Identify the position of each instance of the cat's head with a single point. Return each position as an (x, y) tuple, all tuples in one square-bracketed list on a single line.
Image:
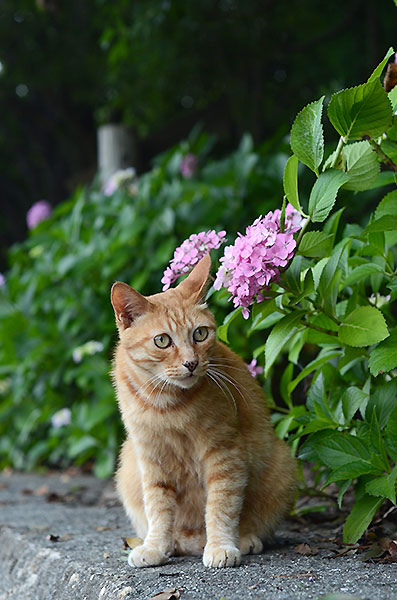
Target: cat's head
[(167, 336)]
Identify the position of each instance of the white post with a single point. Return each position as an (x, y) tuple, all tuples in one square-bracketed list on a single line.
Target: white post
[(115, 150)]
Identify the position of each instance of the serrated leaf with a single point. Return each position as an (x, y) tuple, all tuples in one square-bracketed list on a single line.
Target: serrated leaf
[(364, 326), (279, 336), (384, 486), (361, 111), (362, 272), (323, 194), (362, 166), (307, 140), (360, 517), (393, 98), (384, 401), (290, 182), (383, 358), (377, 72), (349, 471), (387, 206), (352, 399), (339, 449), (316, 244), (385, 223)]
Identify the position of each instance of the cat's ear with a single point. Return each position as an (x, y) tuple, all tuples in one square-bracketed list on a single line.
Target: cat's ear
[(128, 304), (195, 284)]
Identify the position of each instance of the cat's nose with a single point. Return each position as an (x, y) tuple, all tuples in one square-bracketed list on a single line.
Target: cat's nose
[(190, 365)]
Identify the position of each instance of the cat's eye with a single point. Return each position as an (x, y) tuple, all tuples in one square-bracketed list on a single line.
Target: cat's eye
[(200, 334), (162, 340)]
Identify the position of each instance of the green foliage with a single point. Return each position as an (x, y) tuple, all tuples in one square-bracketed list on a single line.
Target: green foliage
[(56, 297), (328, 332)]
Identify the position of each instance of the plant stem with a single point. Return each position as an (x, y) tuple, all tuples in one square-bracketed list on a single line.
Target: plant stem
[(338, 152), (383, 157)]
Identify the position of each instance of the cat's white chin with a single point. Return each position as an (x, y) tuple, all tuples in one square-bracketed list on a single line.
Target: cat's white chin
[(186, 382)]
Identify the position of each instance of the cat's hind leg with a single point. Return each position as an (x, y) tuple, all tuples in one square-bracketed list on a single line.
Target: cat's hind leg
[(129, 487)]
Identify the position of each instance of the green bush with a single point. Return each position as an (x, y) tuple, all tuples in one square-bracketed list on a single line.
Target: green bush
[(330, 324), (56, 296)]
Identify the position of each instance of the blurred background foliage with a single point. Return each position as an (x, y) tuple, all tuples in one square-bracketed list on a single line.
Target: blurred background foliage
[(160, 66), (242, 70)]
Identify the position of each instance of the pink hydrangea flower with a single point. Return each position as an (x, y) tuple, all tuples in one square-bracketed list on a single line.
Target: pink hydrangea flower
[(2, 280), (254, 368), (253, 262), (188, 166), (190, 252), (38, 212)]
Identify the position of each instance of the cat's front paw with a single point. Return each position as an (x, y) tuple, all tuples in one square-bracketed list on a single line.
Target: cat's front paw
[(250, 544), (221, 556), (145, 556)]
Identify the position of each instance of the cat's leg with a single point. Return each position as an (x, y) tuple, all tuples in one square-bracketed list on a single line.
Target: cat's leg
[(268, 498), (152, 514), (129, 487), (226, 480)]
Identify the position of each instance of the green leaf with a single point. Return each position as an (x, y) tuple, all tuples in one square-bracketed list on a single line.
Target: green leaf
[(313, 365), (352, 399), (385, 223), (393, 98), (384, 401), (388, 204), (362, 166), (384, 486), (290, 182), (391, 435), (307, 140), (349, 471), (323, 194), (360, 517), (316, 244), (362, 272), (223, 329), (364, 326), (279, 336), (361, 111), (377, 72), (383, 358), (337, 450)]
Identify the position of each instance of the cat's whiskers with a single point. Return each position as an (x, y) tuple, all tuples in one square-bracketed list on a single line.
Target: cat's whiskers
[(219, 364), (146, 385), (213, 376), (231, 380)]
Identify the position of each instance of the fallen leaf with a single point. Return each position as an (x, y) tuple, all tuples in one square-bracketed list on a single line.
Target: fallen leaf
[(26, 491), (393, 549), (170, 594), (305, 549), (52, 538), (106, 555), (66, 537), (131, 542), (104, 528)]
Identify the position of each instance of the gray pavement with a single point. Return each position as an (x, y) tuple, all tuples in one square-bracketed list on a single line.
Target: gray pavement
[(61, 537)]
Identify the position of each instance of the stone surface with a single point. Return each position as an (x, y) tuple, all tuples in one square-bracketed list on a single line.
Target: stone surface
[(61, 537)]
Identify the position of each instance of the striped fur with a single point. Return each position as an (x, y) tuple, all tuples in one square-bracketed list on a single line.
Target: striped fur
[(201, 470)]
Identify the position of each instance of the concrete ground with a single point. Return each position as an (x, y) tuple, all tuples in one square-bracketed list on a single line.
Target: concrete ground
[(61, 538)]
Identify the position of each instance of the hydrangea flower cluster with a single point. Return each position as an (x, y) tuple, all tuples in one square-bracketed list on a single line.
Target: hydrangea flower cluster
[(253, 262), (40, 211), (190, 252), (123, 178), (188, 166), (2, 280)]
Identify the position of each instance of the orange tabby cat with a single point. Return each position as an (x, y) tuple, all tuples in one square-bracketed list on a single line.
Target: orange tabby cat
[(201, 469)]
